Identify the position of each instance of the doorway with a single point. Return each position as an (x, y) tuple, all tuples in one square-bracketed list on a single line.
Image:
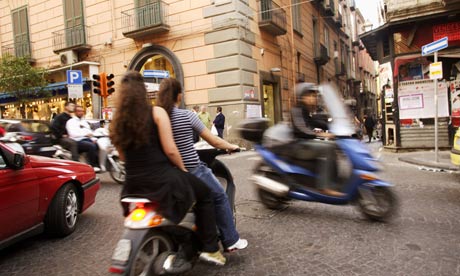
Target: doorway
[(269, 102)]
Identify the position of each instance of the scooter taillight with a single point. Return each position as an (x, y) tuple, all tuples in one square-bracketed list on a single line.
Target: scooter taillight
[(143, 216)]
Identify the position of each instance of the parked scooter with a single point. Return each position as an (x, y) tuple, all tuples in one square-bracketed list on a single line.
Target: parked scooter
[(280, 178), (151, 242)]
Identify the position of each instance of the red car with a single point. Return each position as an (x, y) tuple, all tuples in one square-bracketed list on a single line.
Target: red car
[(40, 194)]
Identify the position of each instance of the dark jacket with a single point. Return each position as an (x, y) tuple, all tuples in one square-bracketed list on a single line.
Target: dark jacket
[(58, 125), (303, 123), (369, 122), (219, 121)]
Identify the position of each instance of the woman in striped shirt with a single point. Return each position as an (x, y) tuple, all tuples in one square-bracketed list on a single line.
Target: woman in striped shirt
[(184, 123)]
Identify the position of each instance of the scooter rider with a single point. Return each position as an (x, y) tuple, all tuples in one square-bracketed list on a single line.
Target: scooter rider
[(308, 128), (58, 127), (184, 123)]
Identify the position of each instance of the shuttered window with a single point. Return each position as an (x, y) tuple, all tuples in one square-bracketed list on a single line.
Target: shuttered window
[(21, 32)]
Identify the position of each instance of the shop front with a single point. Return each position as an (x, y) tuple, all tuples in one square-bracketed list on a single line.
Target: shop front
[(46, 105)]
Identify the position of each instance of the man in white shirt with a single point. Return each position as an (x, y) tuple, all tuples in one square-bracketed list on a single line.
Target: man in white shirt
[(80, 131)]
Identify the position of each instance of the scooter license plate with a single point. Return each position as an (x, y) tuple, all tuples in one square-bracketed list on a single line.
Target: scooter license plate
[(122, 251)]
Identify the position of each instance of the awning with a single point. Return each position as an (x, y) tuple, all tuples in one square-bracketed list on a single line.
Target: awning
[(57, 88)]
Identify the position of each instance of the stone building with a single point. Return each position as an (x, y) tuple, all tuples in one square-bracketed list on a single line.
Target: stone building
[(245, 56)]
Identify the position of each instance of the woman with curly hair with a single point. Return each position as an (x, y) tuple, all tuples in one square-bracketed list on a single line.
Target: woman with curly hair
[(154, 167)]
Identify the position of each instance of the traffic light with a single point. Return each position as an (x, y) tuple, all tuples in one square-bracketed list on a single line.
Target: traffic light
[(100, 82), (110, 84), (97, 84)]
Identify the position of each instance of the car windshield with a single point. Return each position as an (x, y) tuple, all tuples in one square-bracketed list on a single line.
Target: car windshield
[(35, 127)]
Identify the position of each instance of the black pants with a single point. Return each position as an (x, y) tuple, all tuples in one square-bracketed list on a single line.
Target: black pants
[(205, 216), (88, 146), (71, 145), (324, 153), (220, 132), (369, 131)]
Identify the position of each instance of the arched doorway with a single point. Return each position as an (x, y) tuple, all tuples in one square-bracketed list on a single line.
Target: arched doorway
[(155, 63)]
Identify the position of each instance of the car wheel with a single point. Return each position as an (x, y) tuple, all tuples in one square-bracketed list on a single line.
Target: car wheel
[(62, 216)]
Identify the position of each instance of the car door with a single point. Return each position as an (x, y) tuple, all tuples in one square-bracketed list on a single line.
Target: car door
[(19, 198)]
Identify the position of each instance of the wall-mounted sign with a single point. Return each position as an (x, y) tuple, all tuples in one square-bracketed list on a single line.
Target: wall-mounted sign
[(451, 30)]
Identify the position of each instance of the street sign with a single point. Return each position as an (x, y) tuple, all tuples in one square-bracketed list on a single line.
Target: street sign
[(436, 70), (156, 74), (74, 77), (75, 91), (435, 46)]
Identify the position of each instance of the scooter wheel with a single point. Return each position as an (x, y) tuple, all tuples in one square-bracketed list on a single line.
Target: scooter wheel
[(153, 245), (120, 175), (270, 200), (383, 207)]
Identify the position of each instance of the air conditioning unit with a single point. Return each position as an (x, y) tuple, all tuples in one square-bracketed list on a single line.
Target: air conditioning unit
[(68, 57)]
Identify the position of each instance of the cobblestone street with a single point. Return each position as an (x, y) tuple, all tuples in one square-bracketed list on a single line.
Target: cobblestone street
[(303, 239)]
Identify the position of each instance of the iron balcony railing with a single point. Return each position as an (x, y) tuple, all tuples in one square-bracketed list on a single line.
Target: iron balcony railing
[(73, 38), (272, 17), (18, 49), (148, 19), (321, 54)]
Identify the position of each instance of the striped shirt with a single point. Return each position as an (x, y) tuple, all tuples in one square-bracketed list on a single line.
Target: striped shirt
[(183, 123)]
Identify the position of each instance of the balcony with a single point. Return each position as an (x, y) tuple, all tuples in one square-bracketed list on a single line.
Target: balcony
[(18, 49), (321, 55), (338, 20), (329, 8), (340, 69), (150, 19), (73, 38), (272, 18), (300, 77)]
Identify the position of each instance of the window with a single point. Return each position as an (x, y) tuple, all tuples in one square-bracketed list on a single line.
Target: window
[(21, 32), (296, 19), (74, 23), (326, 38), (148, 13)]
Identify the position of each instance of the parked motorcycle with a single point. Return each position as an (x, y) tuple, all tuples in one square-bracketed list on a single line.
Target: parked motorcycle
[(280, 178), (151, 242)]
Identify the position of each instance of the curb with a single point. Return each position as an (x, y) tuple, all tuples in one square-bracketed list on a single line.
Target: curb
[(429, 164)]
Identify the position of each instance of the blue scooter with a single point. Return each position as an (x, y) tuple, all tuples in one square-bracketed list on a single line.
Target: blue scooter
[(279, 178)]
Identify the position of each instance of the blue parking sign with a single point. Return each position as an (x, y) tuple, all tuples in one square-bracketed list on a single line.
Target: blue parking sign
[(74, 77)]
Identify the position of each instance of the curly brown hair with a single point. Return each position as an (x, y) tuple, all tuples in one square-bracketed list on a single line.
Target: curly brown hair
[(168, 94), (133, 111)]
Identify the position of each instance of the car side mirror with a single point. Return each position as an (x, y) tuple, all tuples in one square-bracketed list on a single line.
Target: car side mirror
[(18, 160)]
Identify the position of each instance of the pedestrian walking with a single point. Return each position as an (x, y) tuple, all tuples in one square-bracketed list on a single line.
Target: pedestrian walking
[(219, 122), (204, 117), (369, 124)]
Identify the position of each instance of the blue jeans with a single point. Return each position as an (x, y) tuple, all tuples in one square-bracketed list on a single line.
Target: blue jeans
[(224, 215)]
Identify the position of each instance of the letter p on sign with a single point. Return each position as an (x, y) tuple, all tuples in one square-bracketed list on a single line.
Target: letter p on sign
[(74, 77)]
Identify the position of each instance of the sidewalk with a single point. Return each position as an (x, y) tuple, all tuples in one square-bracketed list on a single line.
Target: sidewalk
[(427, 159)]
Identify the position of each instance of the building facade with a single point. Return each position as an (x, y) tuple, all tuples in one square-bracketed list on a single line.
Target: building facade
[(243, 55), (408, 104)]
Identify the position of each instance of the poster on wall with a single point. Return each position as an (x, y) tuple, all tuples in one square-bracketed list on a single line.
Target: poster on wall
[(455, 97), (416, 100), (253, 111)]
